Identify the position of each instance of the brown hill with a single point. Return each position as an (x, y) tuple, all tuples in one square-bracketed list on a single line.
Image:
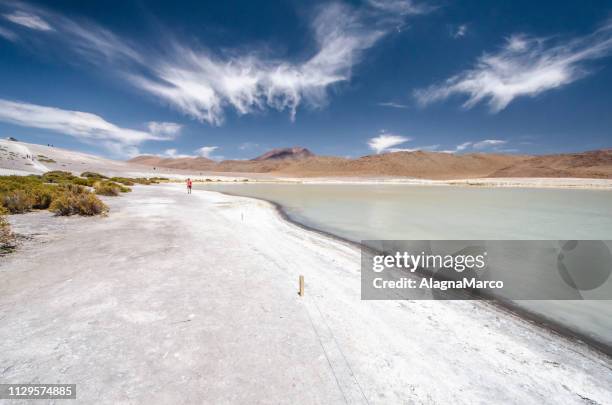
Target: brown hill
[(591, 164), (186, 163), (426, 165), (418, 164), (294, 153)]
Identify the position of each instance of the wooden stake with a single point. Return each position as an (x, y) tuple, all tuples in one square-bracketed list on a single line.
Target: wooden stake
[(301, 286)]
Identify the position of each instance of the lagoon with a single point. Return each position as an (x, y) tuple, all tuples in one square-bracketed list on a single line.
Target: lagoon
[(396, 212)]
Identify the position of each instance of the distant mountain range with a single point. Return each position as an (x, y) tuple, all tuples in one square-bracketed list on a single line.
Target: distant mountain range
[(300, 162)]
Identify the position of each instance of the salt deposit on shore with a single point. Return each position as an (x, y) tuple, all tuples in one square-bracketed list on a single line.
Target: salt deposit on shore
[(193, 298)]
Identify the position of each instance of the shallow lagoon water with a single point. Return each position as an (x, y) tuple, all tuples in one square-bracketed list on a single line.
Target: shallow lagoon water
[(393, 211)]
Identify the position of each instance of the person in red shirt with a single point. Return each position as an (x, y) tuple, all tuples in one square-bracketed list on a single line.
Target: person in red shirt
[(188, 186)]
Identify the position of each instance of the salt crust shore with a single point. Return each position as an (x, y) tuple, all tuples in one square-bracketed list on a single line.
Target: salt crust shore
[(177, 298)]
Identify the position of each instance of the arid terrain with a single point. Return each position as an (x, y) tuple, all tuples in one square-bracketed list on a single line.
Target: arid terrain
[(171, 291), (299, 162)]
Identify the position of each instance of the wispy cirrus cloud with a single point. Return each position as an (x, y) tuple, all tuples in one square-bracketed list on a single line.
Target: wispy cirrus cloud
[(204, 85), (488, 143), (491, 145), (84, 126), (164, 128), (392, 104), (401, 7), (28, 20), (249, 146), (463, 146), (524, 66), (204, 151), (208, 152), (8, 34)]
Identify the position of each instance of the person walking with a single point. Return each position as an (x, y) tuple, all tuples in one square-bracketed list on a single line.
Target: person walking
[(189, 184)]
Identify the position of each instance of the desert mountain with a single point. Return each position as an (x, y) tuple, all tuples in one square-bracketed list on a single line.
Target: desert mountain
[(295, 153), (299, 162), (187, 163), (591, 164)]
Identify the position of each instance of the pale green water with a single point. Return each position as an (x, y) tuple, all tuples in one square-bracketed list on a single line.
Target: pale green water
[(370, 212)]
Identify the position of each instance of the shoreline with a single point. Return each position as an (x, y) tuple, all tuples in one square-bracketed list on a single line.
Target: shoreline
[(508, 306), (178, 284), (491, 182)]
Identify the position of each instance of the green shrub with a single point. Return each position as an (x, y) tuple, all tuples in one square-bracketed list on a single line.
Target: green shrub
[(17, 201), (123, 180), (107, 188), (58, 176), (123, 188), (93, 175), (67, 196), (76, 200), (22, 193), (7, 239)]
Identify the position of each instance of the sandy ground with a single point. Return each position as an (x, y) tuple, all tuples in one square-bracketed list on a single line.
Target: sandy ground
[(193, 299)]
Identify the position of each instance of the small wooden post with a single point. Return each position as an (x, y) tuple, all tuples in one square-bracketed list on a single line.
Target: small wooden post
[(301, 286)]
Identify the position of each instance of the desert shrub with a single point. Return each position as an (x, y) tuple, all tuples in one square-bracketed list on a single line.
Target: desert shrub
[(19, 194), (42, 196), (123, 180), (58, 176), (61, 177), (22, 193), (17, 201), (46, 160), (123, 188), (93, 175), (75, 200), (7, 239), (107, 188), (88, 182)]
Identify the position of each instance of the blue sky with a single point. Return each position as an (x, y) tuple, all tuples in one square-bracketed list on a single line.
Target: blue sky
[(233, 79)]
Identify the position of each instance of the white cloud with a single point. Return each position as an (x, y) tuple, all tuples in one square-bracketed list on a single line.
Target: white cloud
[(203, 84), (488, 143), (463, 146), (173, 153), (401, 7), (8, 34), (91, 42), (28, 20), (524, 66), (385, 141), (206, 151), (81, 125), (460, 31), (248, 145), (392, 104), (164, 128)]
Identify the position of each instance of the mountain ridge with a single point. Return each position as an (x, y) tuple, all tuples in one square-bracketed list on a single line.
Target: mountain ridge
[(300, 162)]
